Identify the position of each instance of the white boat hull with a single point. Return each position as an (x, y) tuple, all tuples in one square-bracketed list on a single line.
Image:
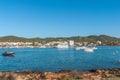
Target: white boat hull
[(63, 46), (88, 49)]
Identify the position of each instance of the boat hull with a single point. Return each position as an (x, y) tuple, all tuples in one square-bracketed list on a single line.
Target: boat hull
[(8, 54)]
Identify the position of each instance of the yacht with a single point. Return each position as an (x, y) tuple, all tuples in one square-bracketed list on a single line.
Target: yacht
[(87, 49), (80, 48), (62, 45)]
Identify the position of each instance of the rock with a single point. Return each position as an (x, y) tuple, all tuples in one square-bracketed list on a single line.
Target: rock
[(1, 74), (95, 78), (70, 75), (99, 71)]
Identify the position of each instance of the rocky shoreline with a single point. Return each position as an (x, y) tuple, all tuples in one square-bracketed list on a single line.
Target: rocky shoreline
[(100, 74)]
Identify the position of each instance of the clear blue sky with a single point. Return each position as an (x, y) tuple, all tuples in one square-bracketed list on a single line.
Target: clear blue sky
[(59, 18)]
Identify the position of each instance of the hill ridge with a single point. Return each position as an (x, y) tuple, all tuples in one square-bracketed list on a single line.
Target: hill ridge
[(91, 38)]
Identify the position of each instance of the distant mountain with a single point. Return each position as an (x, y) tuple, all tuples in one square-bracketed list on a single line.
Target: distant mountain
[(104, 38), (92, 38), (18, 39)]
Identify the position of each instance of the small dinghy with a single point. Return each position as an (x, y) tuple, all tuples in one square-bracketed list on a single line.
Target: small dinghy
[(8, 53)]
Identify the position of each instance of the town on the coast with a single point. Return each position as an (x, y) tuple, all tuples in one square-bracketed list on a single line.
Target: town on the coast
[(54, 44), (18, 42)]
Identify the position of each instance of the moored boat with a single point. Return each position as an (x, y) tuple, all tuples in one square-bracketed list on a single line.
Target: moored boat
[(87, 49), (95, 48), (8, 53), (62, 46), (80, 48)]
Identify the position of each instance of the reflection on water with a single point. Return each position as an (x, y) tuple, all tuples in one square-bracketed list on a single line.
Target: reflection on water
[(12, 56)]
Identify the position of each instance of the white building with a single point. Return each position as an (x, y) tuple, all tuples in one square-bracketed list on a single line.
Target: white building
[(99, 42), (71, 43)]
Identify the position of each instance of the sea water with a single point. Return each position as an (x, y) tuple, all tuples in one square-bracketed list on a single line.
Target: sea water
[(53, 59)]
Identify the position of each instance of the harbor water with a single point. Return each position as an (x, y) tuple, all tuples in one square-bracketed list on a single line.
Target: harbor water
[(54, 59)]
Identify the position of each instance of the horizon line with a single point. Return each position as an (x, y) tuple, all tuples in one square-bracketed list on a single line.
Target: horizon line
[(59, 36)]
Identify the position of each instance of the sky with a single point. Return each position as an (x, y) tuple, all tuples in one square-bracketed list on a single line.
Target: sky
[(59, 18)]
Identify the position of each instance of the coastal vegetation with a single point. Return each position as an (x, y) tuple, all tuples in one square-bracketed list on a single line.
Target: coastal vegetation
[(92, 38)]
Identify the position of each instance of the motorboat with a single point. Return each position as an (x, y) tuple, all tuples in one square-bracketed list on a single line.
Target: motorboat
[(8, 53), (87, 49), (95, 48), (62, 46), (80, 48), (42, 47)]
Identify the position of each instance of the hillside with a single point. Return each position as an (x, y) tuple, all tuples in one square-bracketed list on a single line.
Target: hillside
[(92, 38), (18, 39)]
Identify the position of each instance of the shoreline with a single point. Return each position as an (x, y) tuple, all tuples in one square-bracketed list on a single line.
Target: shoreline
[(99, 74)]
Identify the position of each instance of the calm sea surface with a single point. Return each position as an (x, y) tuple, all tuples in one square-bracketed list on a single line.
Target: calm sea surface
[(53, 59)]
